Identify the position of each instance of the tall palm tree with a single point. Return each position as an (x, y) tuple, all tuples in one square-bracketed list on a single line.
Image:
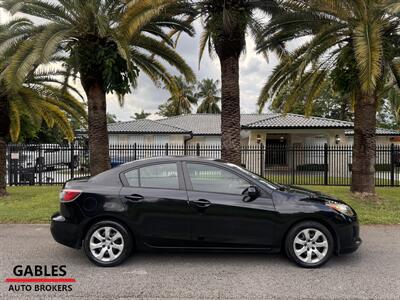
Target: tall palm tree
[(41, 97), (209, 93), (226, 23), (107, 42), (358, 38), (181, 100), (394, 104)]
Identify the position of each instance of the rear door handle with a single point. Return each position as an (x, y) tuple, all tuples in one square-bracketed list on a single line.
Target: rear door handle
[(202, 203), (134, 197)]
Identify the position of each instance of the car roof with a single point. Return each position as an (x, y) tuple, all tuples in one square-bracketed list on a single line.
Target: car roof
[(170, 158)]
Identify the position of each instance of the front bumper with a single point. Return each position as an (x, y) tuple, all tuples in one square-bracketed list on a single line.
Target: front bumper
[(353, 248), (65, 232), (349, 238)]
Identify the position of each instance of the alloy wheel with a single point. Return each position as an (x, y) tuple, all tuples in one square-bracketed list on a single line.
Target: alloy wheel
[(310, 245), (106, 244)]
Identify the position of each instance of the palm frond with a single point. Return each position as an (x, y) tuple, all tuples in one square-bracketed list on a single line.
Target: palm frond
[(368, 49)]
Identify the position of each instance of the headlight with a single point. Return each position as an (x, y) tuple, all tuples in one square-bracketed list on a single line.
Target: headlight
[(342, 208)]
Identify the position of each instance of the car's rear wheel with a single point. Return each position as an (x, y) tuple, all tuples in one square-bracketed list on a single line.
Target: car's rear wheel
[(309, 244), (108, 243)]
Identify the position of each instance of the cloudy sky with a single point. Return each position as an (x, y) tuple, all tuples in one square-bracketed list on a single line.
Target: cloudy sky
[(253, 74)]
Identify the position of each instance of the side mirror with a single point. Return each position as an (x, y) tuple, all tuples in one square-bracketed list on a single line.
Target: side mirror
[(251, 193)]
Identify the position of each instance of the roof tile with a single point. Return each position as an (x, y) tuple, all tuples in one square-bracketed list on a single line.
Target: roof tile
[(298, 121), (144, 126)]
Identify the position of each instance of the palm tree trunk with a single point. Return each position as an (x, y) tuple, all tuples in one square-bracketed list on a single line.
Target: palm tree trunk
[(98, 134), (4, 131), (363, 169), (230, 113)]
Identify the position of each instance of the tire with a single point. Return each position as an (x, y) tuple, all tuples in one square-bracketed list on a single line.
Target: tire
[(312, 252), (121, 247)]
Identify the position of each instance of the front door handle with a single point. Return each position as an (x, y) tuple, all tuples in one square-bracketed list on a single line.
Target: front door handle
[(202, 203), (134, 197)]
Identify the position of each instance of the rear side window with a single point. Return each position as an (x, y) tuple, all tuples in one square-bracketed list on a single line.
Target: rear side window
[(133, 177), (163, 176)]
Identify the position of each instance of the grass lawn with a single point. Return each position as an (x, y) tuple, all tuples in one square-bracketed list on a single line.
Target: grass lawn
[(383, 210), (29, 204), (37, 204), (319, 179)]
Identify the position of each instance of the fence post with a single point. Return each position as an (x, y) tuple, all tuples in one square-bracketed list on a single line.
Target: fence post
[(293, 165), (40, 163), (198, 149), (72, 164), (10, 166), (261, 160), (166, 149), (325, 164), (392, 164)]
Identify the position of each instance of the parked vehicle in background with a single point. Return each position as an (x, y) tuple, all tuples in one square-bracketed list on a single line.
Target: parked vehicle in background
[(199, 204), (46, 156)]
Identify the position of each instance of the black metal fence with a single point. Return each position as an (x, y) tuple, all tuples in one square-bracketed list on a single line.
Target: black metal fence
[(299, 165)]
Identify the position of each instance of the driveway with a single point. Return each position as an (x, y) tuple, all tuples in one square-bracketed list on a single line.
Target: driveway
[(371, 273)]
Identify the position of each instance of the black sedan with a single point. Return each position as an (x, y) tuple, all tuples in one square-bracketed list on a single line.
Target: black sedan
[(199, 204)]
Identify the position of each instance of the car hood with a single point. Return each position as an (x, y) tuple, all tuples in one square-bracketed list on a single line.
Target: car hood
[(300, 193)]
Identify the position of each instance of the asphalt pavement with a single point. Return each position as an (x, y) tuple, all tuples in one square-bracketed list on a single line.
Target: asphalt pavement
[(373, 272)]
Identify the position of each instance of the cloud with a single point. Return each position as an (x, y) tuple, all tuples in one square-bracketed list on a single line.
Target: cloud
[(4, 16)]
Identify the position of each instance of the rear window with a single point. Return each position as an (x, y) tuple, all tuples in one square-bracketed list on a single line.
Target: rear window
[(164, 176)]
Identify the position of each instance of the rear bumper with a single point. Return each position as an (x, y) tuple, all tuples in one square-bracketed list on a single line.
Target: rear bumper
[(65, 232)]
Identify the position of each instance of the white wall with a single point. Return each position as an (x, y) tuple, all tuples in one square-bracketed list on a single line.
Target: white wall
[(205, 140), (146, 139)]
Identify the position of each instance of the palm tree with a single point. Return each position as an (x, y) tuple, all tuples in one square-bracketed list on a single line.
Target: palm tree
[(394, 104), (140, 116), (107, 42), (41, 97), (209, 93), (181, 100), (111, 118), (356, 38), (226, 23), (332, 102)]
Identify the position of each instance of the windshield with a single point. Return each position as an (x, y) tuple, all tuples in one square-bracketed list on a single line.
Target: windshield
[(260, 179)]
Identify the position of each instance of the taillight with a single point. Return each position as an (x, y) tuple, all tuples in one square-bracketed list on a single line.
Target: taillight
[(69, 195)]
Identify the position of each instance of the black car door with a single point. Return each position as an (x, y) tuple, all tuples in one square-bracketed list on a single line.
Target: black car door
[(157, 204), (222, 218)]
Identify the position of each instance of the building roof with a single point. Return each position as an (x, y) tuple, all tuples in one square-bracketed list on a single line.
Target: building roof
[(210, 124), (145, 126), (293, 121), (379, 131)]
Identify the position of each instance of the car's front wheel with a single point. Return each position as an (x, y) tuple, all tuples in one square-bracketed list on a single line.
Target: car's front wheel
[(108, 243), (309, 244)]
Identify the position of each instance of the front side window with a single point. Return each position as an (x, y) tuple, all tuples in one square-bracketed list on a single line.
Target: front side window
[(163, 176), (206, 178)]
